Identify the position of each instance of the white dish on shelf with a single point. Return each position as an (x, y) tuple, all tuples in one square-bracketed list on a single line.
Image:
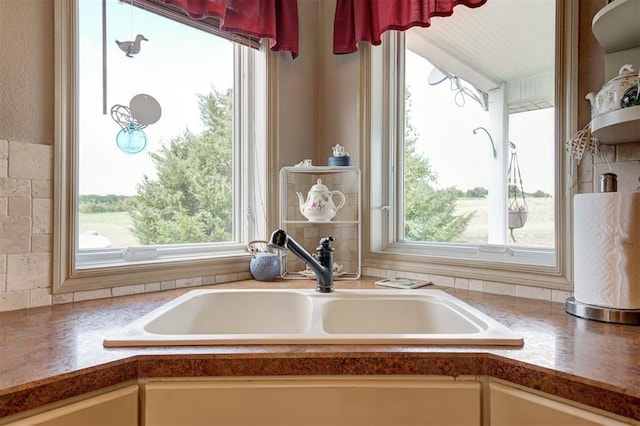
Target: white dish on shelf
[(337, 271), (310, 274)]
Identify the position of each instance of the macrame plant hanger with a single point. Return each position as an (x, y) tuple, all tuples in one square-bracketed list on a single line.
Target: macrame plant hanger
[(517, 210)]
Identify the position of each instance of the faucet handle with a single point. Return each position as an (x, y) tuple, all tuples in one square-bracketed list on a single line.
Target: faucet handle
[(325, 244)]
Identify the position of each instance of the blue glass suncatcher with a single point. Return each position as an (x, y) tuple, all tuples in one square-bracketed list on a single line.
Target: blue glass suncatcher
[(131, 140)]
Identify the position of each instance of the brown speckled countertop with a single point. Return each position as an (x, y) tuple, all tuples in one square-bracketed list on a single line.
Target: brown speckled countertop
[(51, 353)]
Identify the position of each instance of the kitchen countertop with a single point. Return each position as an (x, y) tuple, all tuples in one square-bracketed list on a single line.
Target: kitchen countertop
[(55, 352)]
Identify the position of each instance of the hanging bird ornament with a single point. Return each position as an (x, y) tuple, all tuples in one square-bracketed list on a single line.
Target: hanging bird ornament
[(131, 47)]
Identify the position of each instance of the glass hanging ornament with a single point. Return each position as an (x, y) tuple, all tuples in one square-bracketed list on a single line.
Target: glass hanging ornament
[(143, 110), (130, 139)]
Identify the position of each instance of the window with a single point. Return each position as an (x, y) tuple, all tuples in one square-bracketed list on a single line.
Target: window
[(161, 149), (467, 145)]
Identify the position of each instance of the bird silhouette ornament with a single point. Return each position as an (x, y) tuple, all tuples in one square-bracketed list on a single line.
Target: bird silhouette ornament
[(131, 47)]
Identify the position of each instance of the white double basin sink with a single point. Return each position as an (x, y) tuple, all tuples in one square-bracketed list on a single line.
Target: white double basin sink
[(288, 316)]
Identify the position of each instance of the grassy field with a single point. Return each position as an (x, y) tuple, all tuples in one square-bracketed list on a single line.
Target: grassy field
[(115, 226), (538, 231)]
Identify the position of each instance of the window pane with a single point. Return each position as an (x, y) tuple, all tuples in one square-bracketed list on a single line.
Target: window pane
[(533, 134), (179, 188), (479, 164), (446, 164)]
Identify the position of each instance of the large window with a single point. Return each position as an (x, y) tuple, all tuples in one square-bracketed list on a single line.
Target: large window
[(162, 145), (459, 184), (467, 164)]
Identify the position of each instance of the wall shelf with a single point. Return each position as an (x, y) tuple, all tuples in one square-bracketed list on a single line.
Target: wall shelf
[(616, 26), (618, 126), (344, 227)]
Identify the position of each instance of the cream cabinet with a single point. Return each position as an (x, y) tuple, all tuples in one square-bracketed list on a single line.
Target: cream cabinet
[(299, 402), (509, 406), (115, 408)]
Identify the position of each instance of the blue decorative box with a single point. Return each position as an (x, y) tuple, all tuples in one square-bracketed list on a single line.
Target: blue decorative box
[(340, 161)]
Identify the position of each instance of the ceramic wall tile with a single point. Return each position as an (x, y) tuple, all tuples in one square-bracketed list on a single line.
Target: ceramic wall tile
[(19, 206), (28, 270), (42, 216), (30, 161), (10, 187), (628, 151), (39, 297), (41, 243), (15, 235), (189, 282), (533, 292), (149, 287), (462, 283), (128, 289), (499, 288), (628, 173), (104, 293), (560, 296), (14, 300)]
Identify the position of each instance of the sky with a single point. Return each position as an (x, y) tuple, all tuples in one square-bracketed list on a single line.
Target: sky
[(158, 70)]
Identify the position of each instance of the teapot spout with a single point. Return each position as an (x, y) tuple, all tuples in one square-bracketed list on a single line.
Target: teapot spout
[(591, 97)]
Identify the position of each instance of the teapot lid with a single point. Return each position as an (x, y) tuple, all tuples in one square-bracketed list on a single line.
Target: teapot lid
[(626, 70), (319, 187)]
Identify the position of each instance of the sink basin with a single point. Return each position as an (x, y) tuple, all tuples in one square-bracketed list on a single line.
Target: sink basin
[(220, 313), (284, 316), (397, 315)]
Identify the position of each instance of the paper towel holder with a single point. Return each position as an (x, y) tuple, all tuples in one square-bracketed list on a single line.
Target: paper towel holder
[(601, 313)]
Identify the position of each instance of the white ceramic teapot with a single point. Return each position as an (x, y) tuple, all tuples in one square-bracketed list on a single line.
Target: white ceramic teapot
[(609, 97), (319, 206)]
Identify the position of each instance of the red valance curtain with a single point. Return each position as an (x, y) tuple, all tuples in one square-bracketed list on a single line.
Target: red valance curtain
[(366, 20), (276, 20)]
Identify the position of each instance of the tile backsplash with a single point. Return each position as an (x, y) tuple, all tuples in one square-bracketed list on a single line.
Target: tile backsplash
[(26, 201), (622, 159)]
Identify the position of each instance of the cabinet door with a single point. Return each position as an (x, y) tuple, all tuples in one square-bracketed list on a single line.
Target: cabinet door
[(313, 402), (510, 406), (116, 408)]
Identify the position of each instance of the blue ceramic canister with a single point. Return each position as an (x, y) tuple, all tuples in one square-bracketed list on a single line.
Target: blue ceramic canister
[(339, 161)]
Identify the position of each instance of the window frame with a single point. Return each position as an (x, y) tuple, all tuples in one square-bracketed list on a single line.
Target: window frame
[(95, 269), (383, 126)]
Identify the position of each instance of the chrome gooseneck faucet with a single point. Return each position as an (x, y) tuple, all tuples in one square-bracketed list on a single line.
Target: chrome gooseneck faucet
[(323, 267)]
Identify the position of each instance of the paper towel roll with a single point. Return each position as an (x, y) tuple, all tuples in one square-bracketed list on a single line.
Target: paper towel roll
[(606, 249)]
